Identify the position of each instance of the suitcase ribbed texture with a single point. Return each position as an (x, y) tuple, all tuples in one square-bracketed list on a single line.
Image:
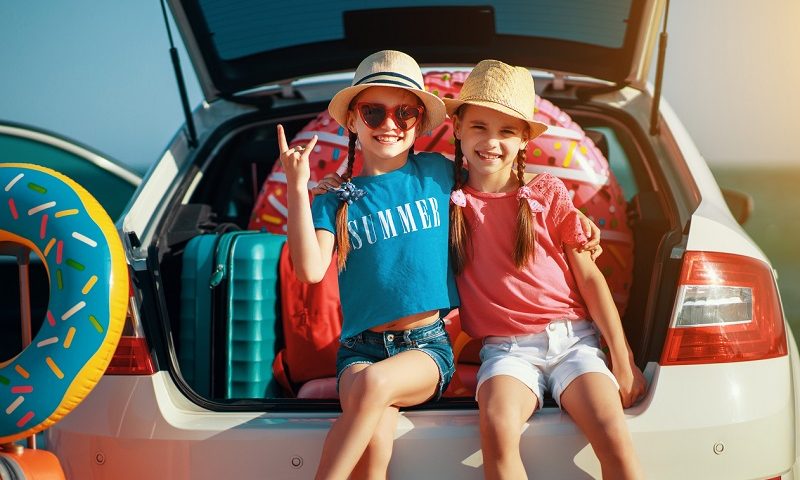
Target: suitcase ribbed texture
[(229, 314), (253, 314)]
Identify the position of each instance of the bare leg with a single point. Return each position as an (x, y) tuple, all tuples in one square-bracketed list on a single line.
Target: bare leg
[(505, 404), (374, 462), (592, 400), (369, 391)]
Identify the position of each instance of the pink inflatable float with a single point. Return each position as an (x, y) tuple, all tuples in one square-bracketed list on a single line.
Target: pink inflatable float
[(564, 151)]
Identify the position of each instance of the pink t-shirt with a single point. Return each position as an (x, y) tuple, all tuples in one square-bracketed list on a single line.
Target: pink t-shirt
[(497, 298)]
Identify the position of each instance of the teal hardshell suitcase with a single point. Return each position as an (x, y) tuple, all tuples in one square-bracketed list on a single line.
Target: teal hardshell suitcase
[(229, 314)]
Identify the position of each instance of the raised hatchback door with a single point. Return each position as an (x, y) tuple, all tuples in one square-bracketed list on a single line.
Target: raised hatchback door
[(235, 47)]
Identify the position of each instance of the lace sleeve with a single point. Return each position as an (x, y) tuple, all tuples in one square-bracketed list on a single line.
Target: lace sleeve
[(571, 231), (563, 213)]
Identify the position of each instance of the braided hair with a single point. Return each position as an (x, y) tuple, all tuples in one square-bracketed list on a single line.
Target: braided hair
[(526, 235), (459, 236), (342, 236), (525, 238)]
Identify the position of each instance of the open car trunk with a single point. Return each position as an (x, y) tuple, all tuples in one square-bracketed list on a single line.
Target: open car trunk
[(221, 193)]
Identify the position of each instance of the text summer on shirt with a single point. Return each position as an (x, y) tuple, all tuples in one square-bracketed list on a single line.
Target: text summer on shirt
[(398, 264)]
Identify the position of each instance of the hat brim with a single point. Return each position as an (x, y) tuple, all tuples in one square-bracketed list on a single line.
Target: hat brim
[(536, 128), (434, 107)]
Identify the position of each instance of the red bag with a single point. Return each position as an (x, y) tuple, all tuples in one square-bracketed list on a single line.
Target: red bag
[(312, 323)]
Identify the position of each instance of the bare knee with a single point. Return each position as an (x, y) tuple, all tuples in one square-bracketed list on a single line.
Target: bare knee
[(504, 406), (498, 414), (500, 422), (371, 388)]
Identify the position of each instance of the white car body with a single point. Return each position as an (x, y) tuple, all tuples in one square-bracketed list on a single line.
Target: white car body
[(729, 420)]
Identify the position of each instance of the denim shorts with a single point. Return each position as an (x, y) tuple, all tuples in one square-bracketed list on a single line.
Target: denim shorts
[(549, 360), (370, 347)]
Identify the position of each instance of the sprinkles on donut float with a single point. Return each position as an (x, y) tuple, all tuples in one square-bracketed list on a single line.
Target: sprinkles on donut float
[(54, 217)]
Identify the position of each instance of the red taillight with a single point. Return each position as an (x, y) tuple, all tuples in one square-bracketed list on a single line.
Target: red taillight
[(132, 356), (728, 310)]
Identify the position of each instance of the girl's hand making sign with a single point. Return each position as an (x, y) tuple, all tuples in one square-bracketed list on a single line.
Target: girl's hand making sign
[(295, 160)]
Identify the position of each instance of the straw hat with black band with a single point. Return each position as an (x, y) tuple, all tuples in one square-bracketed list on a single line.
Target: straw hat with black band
[(389, 68), (501, 87)]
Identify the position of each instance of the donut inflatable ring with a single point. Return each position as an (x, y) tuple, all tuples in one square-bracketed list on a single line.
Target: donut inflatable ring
[(67, 228)]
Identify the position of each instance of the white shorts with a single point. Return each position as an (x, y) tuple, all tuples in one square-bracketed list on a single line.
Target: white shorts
[(549, 360)]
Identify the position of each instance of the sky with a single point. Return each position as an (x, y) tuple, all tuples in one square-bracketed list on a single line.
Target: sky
[(99, 72), (95, 71)]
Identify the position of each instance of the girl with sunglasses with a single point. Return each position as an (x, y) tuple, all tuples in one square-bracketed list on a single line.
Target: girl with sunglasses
[(537, 333), (389, 226)]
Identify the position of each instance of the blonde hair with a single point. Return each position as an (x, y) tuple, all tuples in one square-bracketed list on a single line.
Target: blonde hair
[(525, 236)]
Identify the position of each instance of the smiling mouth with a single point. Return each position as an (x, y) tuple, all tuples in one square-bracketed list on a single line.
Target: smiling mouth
[(387, 139), (489, 156)]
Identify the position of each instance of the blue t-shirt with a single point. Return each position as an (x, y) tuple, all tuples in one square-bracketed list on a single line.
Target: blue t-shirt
[(398, 263)]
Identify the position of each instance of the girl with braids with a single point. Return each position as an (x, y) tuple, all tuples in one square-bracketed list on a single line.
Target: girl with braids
[(390, 228), (538, 330)]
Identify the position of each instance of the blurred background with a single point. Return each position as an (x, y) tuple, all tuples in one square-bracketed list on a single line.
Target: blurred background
[(99, 72)]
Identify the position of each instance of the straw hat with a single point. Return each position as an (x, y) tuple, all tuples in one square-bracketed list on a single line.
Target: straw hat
[(502, 87), (389, 68)]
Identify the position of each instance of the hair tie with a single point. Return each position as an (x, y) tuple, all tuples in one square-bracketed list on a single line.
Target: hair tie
[(458, 198), (524, 192), (348, 192)]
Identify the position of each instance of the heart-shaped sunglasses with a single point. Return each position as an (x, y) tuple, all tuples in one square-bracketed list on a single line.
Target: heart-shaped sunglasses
[(404, 116)]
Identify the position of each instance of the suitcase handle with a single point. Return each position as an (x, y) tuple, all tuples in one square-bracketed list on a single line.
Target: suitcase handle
[(221, 256)]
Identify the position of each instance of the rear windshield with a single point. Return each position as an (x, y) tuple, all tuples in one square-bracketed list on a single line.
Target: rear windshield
[(247, 27)]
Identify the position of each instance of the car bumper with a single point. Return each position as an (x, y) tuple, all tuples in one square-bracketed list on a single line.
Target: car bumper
[(722, 421)]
